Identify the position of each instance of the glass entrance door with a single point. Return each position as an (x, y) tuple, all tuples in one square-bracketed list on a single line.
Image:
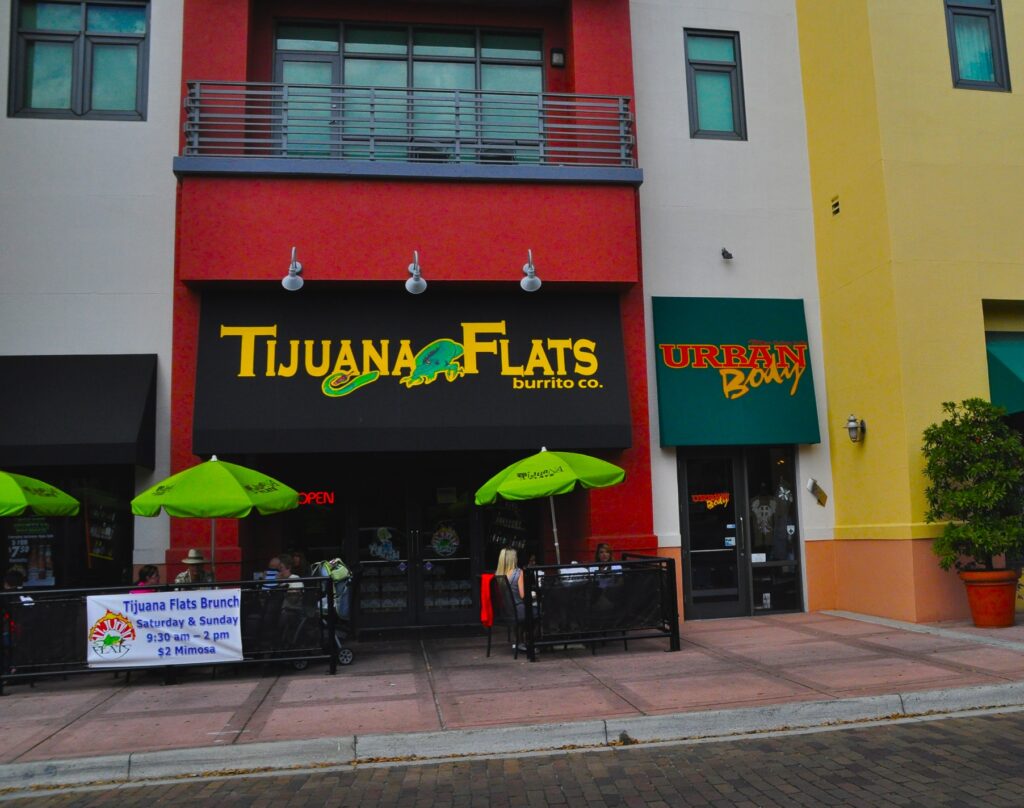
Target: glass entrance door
[(443, 555), (714, 551), (738, 514), (416, 558)]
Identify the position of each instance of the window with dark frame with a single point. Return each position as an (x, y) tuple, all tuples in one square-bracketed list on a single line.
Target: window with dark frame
[(977, 44), (79, 59), (714, 85)]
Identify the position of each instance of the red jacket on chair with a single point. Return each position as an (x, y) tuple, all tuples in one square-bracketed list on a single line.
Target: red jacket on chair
[(486, 610)]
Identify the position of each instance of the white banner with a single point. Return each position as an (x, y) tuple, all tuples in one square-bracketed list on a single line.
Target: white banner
[(164, 628)]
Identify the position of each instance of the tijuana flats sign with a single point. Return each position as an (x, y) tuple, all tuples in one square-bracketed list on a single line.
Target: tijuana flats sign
[(742, 368), (342, 366)]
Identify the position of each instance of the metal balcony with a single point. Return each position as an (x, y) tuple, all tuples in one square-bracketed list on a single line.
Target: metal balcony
[(413, 126)]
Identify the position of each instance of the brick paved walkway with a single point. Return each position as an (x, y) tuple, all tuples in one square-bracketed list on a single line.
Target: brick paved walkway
[(972, 761)]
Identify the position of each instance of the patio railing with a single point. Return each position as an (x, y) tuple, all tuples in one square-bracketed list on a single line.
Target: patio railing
[(631, 599), (44, 632), (249, 119)]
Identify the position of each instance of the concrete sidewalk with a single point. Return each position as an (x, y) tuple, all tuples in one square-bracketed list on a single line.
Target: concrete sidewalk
[(429, 697)]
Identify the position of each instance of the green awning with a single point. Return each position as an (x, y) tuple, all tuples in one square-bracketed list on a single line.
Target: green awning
[(1006, 371), (733, 372)]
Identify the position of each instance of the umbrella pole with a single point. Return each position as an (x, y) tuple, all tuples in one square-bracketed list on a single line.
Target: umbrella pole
[(554, 530), (213, 549)]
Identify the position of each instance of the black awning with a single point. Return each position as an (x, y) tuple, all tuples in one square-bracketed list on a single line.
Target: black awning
[(332, 371), (78, 410)]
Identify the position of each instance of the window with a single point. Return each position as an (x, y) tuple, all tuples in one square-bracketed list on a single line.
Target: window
[(714, 85), (977, 44), (400, 100), (79, 60)]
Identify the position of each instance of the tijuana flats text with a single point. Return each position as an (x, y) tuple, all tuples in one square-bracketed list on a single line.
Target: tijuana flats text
[(742, 367)]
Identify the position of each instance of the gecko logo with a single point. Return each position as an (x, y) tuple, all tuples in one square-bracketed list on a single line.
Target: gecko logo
[(112, 635)]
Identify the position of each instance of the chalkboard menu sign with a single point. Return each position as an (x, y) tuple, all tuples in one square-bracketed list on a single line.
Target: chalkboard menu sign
[(30, 541), (513, 525)]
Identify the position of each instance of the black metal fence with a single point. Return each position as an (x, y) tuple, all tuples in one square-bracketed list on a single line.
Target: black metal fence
[(634, 598), (45, 632)]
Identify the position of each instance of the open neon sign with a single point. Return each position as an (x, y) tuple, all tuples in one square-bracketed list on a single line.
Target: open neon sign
[(316, 497)]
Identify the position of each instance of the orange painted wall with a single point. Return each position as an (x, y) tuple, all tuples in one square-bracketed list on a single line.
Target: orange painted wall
[(872, 578), (820, 574)]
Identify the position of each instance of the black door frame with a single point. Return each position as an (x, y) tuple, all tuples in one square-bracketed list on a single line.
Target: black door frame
[(768, 571), (741, 606)]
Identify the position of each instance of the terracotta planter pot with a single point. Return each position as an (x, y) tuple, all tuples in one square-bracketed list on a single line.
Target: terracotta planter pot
[(992, 595)]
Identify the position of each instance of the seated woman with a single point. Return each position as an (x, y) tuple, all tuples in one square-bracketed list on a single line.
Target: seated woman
[(508, 565), (149, 576), (603, 557)]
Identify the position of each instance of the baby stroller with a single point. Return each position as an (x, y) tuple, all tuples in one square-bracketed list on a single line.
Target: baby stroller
[(341, 579)]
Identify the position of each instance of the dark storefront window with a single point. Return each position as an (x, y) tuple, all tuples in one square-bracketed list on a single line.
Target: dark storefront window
[(93, 548)]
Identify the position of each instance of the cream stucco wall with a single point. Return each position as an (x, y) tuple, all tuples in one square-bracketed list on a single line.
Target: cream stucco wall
[(87, 230), (752, 197)]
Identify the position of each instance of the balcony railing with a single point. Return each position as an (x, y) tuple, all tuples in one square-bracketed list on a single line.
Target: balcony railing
[(235, 119)]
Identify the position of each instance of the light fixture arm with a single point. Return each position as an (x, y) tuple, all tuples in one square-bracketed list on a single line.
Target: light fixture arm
[(530, 282), (293, 280), (415, 285), (856, 428)]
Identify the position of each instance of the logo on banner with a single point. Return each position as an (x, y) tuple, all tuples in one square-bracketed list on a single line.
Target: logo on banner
[(112, 635), (344, 366), (742, 367), (711, 500)]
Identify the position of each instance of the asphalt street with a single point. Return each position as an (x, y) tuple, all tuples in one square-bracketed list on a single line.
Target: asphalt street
[(966, 761)]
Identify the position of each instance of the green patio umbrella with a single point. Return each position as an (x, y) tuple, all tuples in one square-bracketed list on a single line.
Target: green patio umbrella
[(216, 490), (19, 494), (546, 474)]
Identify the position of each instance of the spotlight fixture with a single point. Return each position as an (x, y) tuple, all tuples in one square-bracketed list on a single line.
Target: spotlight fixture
[(415, 285), (726, 254), (530, 283), (856, 428), (293, 280)]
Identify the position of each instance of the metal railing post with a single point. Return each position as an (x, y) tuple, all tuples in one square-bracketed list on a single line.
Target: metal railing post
[(624, 132), (529, 585), (541, 150), (192, 103), (673, 604), (332, 625), (5, 638)]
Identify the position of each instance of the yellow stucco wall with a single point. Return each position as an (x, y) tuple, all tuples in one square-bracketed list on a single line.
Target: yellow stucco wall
[(930, 181)]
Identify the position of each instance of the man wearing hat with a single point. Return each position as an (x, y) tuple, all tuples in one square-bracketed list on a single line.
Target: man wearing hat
[(195, 569)]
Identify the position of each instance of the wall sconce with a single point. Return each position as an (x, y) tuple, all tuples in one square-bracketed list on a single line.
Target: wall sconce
[(293, 280), (856, 429), (558, 57), (415, 285), (530, 283), (726, 254)]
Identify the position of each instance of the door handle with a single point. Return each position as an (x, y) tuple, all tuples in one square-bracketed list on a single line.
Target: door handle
[(741, 542)]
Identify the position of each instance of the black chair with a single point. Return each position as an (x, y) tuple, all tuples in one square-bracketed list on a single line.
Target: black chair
[(503, 606)]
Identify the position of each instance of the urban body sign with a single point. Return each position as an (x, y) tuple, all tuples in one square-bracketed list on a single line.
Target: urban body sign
[(369, 371), (733, 372)]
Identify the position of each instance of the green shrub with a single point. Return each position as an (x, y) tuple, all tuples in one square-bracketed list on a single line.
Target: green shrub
[(975, 468)]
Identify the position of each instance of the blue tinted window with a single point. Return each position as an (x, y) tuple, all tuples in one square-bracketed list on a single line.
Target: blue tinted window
[(715, 85), (79, 59), (977, 44)]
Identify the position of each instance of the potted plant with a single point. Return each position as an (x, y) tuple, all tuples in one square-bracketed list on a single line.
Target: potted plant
[(975, 466)]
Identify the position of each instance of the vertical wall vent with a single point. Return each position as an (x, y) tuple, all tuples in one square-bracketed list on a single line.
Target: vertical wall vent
[(835, 206)]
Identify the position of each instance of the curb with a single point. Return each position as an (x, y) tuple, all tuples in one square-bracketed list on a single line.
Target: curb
[(285, 756)]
